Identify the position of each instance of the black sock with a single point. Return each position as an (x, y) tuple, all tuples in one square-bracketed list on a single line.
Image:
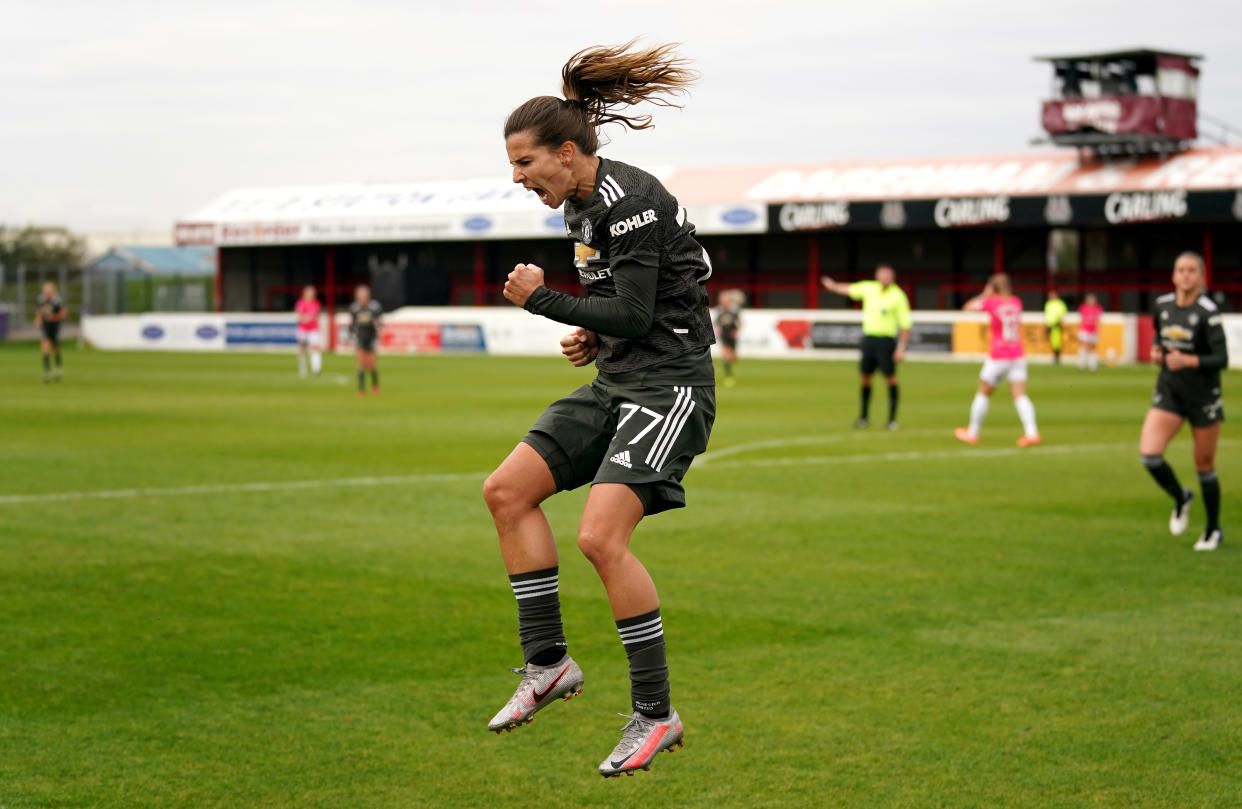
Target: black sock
[(892, 402), (47, 363), (57, 355), (1210, 487), (643, 639), (375, 378), (1163, 474), (539, 615), (728, 368), (866, 400), (362, 380)]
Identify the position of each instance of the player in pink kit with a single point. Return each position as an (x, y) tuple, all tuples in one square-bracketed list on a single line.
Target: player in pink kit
[(1089, 333), (1006, 360), (308, 309)]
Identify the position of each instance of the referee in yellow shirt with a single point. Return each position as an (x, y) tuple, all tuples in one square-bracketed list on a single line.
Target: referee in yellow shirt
[(886, 332)]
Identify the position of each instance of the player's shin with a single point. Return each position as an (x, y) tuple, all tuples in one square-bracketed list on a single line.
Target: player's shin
[(1210, 487), (643, 639), (539, 615), (1026, 412), (978, 412), (1164, 476)]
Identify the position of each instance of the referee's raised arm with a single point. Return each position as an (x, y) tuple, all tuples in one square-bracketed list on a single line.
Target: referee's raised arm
[(835, 286)]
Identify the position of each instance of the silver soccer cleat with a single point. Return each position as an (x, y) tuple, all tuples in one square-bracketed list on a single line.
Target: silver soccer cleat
[(1181, 515), (539, 687), (641, 740)]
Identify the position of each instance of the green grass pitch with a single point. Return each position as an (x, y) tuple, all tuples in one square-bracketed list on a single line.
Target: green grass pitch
[(216, 609)]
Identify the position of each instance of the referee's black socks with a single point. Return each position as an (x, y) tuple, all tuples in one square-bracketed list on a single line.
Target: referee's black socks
[(1163, 475), (643, 639), (892, 402), (866, 400)]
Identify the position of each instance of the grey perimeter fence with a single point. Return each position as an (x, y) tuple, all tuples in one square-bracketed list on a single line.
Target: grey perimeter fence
[(107, 292)]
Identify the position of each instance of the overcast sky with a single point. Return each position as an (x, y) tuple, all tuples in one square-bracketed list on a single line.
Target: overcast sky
[(130, 115)]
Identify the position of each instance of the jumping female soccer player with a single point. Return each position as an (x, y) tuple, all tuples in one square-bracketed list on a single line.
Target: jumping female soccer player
[(633, 431), (1006, 360), (1189, 347), (364, 325), (48, 317), (307, 309)]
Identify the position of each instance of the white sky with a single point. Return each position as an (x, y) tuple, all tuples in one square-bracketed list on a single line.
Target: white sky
[(130, 115)]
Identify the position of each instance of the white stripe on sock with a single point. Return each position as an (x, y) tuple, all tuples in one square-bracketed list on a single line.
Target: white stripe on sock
[(638, 627), (657, 633)]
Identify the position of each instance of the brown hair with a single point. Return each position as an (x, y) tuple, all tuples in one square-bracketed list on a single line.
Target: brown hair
[(598, 81), (1000, 284), (1191, 254)]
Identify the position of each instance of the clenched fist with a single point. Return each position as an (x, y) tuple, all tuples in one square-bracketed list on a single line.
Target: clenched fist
[(580, 347), (524, 280)]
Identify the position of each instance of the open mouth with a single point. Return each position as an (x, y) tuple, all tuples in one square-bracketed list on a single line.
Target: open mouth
[(544, 196)]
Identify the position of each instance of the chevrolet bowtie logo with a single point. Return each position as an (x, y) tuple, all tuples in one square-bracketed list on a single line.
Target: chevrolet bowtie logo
[(584, 253)]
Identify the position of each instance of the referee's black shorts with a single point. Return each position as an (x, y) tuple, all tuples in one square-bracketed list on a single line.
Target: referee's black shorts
[(877, 352), (51, 331)]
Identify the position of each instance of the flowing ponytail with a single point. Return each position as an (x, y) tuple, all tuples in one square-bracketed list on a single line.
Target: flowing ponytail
[(597, 82)]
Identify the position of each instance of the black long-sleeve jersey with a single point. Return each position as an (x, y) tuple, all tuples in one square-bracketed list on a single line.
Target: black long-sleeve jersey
[(1194, 329), (643, 270)]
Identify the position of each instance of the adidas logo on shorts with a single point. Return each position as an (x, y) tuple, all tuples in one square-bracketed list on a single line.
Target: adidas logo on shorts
[(622, 458)]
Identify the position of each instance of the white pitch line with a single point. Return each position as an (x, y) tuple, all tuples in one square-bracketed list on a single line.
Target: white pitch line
[(781, 443), (922, 455), (915, 455), (236, 488)]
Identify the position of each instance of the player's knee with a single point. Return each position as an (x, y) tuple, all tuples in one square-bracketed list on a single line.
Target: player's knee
[(598, 545), (501, 492)]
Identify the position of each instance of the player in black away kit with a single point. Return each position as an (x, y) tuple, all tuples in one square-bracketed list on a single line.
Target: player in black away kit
[(633, 431), (729, 323), (364, 325), (48, 317), (1190, 349)]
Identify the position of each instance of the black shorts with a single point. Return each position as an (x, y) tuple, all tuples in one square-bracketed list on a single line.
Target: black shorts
[(366, 342), (877, 352), (1200, 404), (51, 332), (641, 434), (728, 337)]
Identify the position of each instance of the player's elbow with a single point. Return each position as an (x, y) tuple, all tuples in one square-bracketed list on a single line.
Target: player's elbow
[(635, 326)]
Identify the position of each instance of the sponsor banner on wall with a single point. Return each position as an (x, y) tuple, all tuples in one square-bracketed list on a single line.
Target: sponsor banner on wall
[(155, 331), (503, 330), (714, 220), (402, 337), (927, 338), (972, 337), (262, 333), (1119, 208)]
